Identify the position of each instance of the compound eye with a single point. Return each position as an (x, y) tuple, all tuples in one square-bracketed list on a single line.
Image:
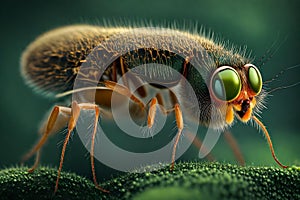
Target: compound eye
[(255, 80), (226, 83)]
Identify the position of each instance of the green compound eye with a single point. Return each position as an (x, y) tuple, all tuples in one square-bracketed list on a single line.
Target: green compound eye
[(226, 83), (254, 79)]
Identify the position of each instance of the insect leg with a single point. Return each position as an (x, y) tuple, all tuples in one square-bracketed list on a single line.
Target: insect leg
[(97, 112), (157, 100), (179, 123), (124, 91), (51, 125), (185, 67), (72, 123), (71, 126), (235, 147), (152, 112)]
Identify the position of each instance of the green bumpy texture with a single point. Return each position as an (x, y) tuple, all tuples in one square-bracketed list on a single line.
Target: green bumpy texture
[(188, 180)]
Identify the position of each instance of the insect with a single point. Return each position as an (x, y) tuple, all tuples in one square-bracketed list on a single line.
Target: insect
[(232, 86)]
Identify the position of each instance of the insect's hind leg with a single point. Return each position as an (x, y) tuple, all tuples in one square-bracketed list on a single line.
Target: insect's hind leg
[(49, 129), (76, 108), (97, 113)]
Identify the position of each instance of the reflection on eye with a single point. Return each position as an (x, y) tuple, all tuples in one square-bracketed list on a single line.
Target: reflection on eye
[(226, 83), (255, 80)]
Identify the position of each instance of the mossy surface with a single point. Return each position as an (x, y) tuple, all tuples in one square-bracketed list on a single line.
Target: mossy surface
[(190, 180), (17, 183), (210, 181)]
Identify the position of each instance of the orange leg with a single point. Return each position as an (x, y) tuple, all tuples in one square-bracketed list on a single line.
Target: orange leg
[(72, 123), (179, 123), (235, 147), (151, 113), (49, 129), (178, 117), (36, 162), (185, 67), (157, 100), (71, 126), (124, 91), (97, 112)]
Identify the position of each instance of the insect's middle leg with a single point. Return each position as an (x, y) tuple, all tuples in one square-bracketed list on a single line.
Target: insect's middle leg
[(180, 125), (152, 112), (178, 116), (123, 90), (158, 100)]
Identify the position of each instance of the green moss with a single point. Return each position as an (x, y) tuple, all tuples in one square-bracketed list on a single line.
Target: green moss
[(17, 183), (188, 180), (210, 181), (174, 192)]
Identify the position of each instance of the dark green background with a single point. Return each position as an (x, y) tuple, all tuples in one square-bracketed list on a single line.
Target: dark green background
[(257, 24)]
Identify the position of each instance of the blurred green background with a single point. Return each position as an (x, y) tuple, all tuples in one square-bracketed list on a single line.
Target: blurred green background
[(257, 24)]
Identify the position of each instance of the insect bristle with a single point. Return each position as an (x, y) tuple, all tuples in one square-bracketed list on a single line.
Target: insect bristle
[(50, 64)]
